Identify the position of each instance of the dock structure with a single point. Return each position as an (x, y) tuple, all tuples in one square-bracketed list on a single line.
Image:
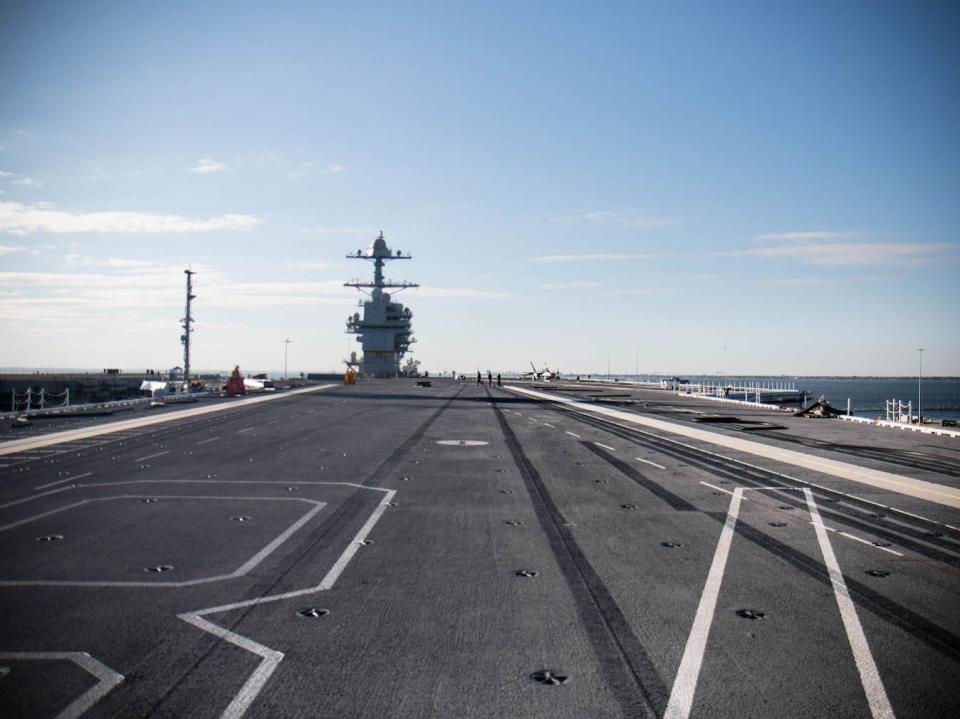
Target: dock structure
[(386, 329), (548, 549)]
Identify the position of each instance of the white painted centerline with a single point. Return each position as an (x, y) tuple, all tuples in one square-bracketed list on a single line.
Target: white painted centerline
[(573, 434), (245, 429), (647, 461), (869, 676), (61, 481), (151, 456), (274, 421), (606, 446), (204, 441), (547, 424)]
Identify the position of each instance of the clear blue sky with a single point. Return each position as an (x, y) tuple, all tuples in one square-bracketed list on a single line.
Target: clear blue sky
[(740, 187)]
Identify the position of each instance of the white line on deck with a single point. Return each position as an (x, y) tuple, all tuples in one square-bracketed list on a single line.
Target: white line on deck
[(860, 539), (151, 456), (930, 491), (274, 421), (547, 424), (606, 446), (61, 481), (270, 658), (245, 429), (204, 441), (647, 461), (19, 445), (684, 686), (573, 434), (719, 489), (107, 678), (869, 676)]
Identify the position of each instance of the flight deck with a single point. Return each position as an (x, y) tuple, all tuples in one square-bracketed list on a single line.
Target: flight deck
[(531, 550)]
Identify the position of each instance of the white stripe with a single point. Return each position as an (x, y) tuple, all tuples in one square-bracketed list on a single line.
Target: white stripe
[(685, 684), (61, 481), (647, 461), (204, 441), (69, 435), (107, 678), (573, 434), (151, 456), (860, 539), (547, 424), (869, 676), (271, 658), (605, 446), (930, 491), (245, 429), (720, 489)]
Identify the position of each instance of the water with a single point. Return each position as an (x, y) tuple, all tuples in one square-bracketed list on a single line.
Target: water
[(941, 396)]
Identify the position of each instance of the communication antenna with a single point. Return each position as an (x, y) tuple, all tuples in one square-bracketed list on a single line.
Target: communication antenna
[(186, 323)]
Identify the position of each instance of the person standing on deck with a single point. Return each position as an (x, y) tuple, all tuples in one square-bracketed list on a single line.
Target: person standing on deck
[(489, 378), (479, 377), (499, 383)]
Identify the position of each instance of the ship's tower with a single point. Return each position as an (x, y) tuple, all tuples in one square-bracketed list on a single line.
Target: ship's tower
[(385, 330)]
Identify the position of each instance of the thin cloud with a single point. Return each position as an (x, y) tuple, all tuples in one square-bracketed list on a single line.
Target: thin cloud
[(207, 166), (599, 256), (811, 281), (625, 219), (458, 293), (333, 169), (575, 285), (22, 219), (859, 254), (21, 180), (10, 249), (816, 236)]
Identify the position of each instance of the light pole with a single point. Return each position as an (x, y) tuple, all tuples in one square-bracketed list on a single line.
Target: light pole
[(286, 344), (920, 351)]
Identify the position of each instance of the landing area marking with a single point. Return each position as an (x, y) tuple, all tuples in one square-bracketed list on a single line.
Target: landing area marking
[(685, 684)]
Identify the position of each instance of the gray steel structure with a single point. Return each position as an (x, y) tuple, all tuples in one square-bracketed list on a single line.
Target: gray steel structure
[(386, 330)]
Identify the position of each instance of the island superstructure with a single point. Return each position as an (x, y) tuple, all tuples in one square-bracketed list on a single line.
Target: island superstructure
[(385, 330)]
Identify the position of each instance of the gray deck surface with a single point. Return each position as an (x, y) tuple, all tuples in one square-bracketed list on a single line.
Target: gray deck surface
[(429, 618)]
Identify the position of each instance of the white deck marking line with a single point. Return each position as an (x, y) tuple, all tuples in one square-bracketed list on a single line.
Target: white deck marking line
[(854, 537), (869, 676), (244, 569), (107, 679), (606, 446), (647, 461), (205, 441), (572, 434), (532, 419), (547, 424), (61, 481), (35, 496), (151, 456), (685, 684), (719, 489), (271, 658), (274, 421), (53, 438), (245, 429), (930, 491)]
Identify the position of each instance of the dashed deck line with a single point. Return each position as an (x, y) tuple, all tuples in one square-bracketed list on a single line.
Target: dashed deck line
[(647, 461), (205, 441), (152, 456)]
